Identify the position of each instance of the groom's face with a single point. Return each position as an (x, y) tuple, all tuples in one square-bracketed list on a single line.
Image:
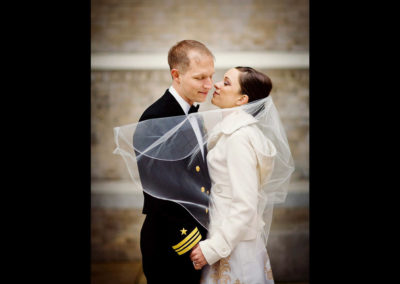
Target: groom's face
[(196, 82)]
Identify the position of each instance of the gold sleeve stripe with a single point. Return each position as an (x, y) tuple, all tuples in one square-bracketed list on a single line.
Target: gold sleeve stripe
[(188, 242), (186, 239), (191, 245)]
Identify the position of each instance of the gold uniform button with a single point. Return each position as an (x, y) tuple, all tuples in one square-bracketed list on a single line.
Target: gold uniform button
[(208, 192), (202, 189), (206, 210), (197, 169)]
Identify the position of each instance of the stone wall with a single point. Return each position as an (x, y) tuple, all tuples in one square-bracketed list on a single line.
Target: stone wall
[(223, 25)]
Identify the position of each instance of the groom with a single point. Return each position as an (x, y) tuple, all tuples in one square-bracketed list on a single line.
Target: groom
[(166, 237)]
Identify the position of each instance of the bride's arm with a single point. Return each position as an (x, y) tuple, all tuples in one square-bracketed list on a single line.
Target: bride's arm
[(242, 169)]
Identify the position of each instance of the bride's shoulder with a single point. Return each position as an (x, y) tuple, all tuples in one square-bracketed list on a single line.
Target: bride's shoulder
[(252, 136), (244, 134)]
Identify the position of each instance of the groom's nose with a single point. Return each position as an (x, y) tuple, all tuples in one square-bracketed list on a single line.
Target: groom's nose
[(208, 84)]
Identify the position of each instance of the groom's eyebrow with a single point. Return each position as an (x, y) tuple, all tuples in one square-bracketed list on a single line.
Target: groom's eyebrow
[(203, 74)]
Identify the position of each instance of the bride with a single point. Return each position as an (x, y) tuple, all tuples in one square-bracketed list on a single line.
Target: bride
[(240, 159)]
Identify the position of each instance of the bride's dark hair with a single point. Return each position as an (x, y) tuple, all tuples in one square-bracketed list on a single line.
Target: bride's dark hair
[(254, 84)]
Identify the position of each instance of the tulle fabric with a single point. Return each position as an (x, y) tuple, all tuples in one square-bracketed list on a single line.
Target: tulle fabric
[(172, 139)]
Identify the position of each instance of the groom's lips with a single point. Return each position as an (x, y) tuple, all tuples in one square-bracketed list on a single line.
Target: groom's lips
[(204, 93)]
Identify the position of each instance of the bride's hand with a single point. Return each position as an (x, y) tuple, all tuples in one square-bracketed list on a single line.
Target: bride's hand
[(197, 257)]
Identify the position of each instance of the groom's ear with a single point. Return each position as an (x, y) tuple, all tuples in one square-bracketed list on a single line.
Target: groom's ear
[(244, 99), (175, 75)]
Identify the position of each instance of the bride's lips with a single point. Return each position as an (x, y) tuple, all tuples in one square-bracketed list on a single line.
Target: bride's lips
[(215, 93)]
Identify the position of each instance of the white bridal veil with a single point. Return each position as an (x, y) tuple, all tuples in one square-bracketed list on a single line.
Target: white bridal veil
[(160, 144)]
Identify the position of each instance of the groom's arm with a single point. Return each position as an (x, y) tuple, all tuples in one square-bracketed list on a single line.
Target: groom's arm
[(160, 178)]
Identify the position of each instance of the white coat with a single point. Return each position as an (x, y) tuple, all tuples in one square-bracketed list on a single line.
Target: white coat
[(240, 158)]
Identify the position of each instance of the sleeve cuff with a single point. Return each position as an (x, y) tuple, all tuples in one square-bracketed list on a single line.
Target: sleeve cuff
[(214, 249)]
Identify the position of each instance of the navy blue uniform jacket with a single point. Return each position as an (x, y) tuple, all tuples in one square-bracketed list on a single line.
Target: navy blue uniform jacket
[(170, 231)]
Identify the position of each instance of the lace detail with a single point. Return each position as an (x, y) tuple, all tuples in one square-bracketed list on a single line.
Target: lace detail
[(267, 268), (225, 271), (219, 269)]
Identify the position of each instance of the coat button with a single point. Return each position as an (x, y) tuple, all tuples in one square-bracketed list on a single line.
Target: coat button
[(203, 189), (197, 169), (225, 251)]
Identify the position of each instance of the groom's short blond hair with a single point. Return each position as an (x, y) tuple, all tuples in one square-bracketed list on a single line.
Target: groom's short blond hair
[(178, 54)]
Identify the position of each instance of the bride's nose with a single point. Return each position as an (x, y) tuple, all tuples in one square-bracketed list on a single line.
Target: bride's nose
[(218, 85)]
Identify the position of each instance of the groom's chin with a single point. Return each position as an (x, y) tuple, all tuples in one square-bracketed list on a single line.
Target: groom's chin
[(201, 99)]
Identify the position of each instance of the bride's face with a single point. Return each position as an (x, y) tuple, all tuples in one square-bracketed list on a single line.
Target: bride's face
[(227, 92)]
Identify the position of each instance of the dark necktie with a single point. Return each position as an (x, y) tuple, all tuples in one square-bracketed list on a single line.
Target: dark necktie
[(194, 108)]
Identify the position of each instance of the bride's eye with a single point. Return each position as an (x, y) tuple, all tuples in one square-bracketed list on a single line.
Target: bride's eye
[(226, 83)]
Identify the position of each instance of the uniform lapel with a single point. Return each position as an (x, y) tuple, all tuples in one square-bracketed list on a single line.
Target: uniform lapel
[(190, 136)]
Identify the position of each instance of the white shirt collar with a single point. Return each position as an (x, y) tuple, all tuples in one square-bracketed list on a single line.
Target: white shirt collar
[(184, 104)]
